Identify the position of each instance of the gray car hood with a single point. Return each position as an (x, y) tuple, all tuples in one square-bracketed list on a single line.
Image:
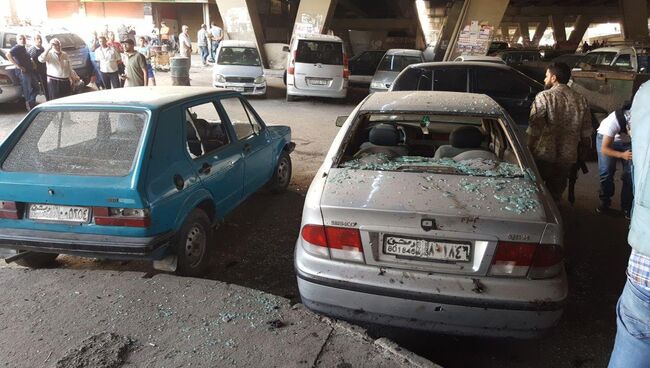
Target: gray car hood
[(385, 77), (238, 70)]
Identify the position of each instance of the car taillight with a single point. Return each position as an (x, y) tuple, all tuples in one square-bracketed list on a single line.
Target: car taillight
[(342, 243), (517, 259), (346, 68), (5, 80), (10, 210), (292, 63), (130, 217)]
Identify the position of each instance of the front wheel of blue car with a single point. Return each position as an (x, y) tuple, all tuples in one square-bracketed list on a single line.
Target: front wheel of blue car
[(281, 175), (194, 245)]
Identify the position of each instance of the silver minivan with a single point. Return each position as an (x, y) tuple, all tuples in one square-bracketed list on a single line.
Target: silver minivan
[(394, 61), (317, 66)]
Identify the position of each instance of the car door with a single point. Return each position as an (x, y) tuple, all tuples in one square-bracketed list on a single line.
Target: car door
[(508, 89), (253, 141), (216, 156)]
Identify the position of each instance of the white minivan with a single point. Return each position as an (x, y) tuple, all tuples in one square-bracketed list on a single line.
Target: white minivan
[(238, 67), (317, 66)]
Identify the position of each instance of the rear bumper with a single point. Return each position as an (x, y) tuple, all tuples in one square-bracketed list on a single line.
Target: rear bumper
[(314, 92), (86, 245)]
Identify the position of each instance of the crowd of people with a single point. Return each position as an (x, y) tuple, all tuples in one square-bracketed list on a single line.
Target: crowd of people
[(120, 64), (586, 47)]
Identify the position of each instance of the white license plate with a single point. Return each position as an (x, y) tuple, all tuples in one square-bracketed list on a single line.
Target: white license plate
[(48, 212), (427, 249), (238, 89), (318, 82)]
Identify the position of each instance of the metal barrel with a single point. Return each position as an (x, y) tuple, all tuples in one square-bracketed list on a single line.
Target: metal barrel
[(180, 71)]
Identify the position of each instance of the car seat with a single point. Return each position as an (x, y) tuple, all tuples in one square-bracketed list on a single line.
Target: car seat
[(465, 145), (193, 142), (383, 138)]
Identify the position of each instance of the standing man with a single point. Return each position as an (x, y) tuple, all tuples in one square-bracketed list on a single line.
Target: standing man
[(41, 70), (559, 128), (60, 76), (613, 144), (216, 34), (107, 57), (202, 41), (145, 50), (135, 66), (185, 42), (632, 345), (93, 44), (28, 80)]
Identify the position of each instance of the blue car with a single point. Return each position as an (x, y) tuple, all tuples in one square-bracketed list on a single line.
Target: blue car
[(135, 173)]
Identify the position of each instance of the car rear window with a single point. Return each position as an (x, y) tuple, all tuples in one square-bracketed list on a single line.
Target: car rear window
[(397, 63), (319, 52), (99, 143), (68, 40), (599, 58), (239, 56), (436, 79)]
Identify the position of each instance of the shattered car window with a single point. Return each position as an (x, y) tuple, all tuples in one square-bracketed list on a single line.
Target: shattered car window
[(99, 143)]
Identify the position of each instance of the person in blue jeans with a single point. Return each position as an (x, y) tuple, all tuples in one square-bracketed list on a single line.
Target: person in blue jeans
[(613, 144), (632, 344), (25, 71)]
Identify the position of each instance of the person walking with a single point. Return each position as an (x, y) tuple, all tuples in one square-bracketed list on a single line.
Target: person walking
[(135, 66), (613, 144), (93, 44), (107, 57), (216, 35), (145, 50), (60, 76), (559, 128), (632, 343), (185, 43), (19, 56), (202, 42), (40, 68)]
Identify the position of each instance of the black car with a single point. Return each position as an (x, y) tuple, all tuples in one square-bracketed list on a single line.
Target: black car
[(363, 67), (516, 56), (513, 90)]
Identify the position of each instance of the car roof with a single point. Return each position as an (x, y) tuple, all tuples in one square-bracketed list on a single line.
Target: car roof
[(481, 58), (465, 64), (238, 43), (411, 52), (437, 102), (610, 49), (318, 37), (148, 97)]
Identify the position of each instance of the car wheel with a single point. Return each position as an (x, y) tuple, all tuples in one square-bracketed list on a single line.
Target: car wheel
[(281, 175), (194, 245), (37, 259)]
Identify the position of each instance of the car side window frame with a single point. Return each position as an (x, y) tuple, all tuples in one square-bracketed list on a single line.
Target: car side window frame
[(184, 111), (247, 109)]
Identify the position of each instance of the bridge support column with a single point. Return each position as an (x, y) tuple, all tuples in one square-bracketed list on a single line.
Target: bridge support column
[(559, 31), (579, 30), (314, 16), (241, 22), (635, 19), (539, 32)]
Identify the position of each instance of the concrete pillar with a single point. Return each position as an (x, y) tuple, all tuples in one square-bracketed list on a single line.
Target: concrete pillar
[(206, 15), (475, 29), (241, 22), (539, 32), (314, 16), (559, 31), (635, 19), (524, 29), (579, 29), (447, 31), (505, 32), (516, 35)]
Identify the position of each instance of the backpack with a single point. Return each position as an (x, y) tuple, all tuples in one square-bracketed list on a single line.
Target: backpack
[(622, 122)]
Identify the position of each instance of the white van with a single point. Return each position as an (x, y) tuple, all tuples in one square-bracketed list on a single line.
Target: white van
[(238, 66), (317, 66)]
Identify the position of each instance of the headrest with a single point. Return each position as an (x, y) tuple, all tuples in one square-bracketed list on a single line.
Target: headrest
[(466, 137), (384, 135)]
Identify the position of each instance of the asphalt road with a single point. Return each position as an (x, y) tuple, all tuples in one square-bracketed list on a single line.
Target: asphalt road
[(256, 250)]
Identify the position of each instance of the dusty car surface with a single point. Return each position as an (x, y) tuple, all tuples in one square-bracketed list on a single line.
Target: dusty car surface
[(135, 173), (393, 62), (427, 213), (485, 59)]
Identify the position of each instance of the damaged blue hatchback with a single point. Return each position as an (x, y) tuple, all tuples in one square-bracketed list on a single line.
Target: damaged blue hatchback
[(136, 173)]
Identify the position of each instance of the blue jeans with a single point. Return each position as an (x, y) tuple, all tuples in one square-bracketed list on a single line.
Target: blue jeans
[(213, 51), (607, 169), (632, 345), (204, 53), (29, 84)]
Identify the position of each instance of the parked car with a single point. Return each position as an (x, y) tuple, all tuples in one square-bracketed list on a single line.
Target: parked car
[(317, 66), (631, 58), (135, 173), (510, 88), (363, 67), (497, 46), (393, 62), (516, 57), (537, 69), (10, 88), (428, 214), (238, 66), (72, 44), (485, 59)]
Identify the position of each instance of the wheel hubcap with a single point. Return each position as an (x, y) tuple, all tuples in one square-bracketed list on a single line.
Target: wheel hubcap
[(195, 244), (283, 172)]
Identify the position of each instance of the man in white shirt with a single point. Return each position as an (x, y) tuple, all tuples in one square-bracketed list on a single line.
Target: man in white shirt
[(107, 57), (216, 35), (613, 144), (202, 42), (60, 76), (185, 43)]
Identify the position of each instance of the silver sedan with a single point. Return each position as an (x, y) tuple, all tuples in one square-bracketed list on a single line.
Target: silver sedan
[(10, 89), (428, 213)]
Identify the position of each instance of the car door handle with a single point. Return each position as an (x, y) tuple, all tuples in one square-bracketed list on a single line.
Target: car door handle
[(205, 168), (247, 148)]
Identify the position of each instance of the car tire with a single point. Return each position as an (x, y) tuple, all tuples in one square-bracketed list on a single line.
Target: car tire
[(291, 98), (194, 245), (37, 260), (281, 175)]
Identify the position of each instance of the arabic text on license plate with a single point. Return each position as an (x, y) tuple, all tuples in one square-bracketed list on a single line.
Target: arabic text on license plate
[(318, 82), (58, 213), (427, 249)]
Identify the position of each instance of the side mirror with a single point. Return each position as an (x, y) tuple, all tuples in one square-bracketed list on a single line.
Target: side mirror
[(341, 120), (285, 49)]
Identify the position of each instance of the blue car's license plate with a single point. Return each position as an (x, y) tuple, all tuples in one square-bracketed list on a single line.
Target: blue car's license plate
[(48, 212)]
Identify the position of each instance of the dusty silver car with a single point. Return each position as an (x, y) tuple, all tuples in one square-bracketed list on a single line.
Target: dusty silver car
[(428, 213), (10, 89), (393, 62)]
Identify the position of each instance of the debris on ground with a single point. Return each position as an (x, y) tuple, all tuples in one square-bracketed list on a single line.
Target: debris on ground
[(104, 350)]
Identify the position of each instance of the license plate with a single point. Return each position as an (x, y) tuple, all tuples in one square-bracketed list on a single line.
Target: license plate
[(427, 249), (76, 63), (238, 89), (318, 82), (49, 212)]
